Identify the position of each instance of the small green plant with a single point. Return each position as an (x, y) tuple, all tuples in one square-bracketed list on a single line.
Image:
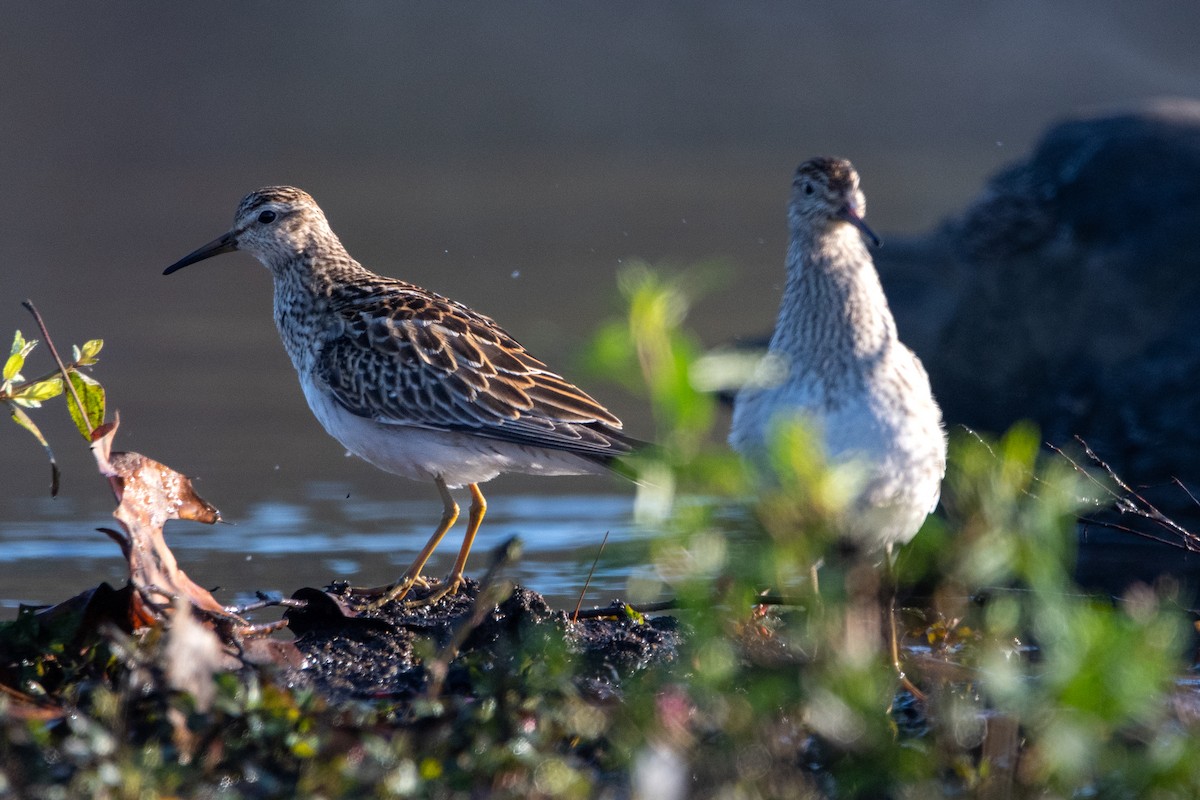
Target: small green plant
[(86, 398)]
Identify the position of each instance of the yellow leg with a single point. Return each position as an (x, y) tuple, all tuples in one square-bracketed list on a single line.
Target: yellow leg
[(894, 627), (474, 520), (413, 574)]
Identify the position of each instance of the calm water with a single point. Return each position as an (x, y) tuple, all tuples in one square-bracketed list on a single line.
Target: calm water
[(332, 533), (280, 546), (514, 156)]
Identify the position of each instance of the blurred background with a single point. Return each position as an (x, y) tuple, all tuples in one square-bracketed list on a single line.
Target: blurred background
[(512, 156)]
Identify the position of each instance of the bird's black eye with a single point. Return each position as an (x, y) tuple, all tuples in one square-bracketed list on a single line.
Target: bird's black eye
[(808, 188), (267, 217)]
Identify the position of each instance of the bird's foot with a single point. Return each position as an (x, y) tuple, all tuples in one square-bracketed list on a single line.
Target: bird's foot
[(452, 585), (397, 591)]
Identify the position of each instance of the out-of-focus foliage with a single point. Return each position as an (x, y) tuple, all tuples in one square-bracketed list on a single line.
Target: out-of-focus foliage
[(650, 353), (1034, 688)]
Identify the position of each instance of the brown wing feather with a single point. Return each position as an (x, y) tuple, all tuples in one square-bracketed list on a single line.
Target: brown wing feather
[(403, 355)]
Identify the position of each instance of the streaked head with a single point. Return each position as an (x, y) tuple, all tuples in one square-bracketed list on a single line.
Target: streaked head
[(274, 224), (825, 192)]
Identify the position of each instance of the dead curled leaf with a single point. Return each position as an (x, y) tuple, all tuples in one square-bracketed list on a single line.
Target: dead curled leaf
[(148, 494)]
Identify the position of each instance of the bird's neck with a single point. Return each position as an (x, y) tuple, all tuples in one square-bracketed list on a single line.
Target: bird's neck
[(834, 319), (313, 264), (305, 282)]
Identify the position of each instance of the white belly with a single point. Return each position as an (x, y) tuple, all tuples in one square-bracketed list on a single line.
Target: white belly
[(423, 454), (897, 446)]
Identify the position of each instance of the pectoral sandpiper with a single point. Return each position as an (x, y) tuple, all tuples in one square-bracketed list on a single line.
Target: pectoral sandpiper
[(844, 370), (410, 381)]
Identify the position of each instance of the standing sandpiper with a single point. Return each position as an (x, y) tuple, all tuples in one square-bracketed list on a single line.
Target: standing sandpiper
[(846, 372), (414, 383)]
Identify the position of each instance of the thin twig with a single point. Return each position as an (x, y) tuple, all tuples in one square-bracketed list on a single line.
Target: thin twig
[(1187, 544), (974, 434), (267, 602), (264, 629), (1186, 490), (1033, 476), (62, 368), (1138, 505), (592, 571), (619, 609)]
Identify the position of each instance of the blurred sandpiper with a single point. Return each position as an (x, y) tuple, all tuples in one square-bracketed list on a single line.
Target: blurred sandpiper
[(412, 382), (844, 371)]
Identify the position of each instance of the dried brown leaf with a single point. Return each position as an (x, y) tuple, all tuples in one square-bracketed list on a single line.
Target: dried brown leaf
[(148, 494)]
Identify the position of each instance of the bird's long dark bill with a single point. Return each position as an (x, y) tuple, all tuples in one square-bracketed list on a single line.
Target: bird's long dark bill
[(854, 219), (225, 243)]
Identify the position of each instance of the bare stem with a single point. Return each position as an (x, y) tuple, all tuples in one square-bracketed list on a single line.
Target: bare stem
[(588, 582), (62, 368), (1132, 502)]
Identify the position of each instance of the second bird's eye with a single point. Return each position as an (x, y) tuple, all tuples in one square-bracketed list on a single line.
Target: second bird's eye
[(808, 188), (267, 217)]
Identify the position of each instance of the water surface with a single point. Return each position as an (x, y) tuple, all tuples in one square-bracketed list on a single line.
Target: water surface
[(280, 546)]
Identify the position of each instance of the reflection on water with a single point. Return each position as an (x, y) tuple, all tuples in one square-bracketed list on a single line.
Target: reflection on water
[(280, 546)]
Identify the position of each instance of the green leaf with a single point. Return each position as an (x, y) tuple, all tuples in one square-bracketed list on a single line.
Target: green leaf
[(32, 395), (22, 419), (12, 367), (18, 345), (633, 615), (89, 351), (16, 358), (91, 394)]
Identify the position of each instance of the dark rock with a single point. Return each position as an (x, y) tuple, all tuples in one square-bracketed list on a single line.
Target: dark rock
[(1067, 294)]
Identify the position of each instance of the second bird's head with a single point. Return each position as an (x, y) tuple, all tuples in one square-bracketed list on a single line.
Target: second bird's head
[(825, 193), (274, 224)]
